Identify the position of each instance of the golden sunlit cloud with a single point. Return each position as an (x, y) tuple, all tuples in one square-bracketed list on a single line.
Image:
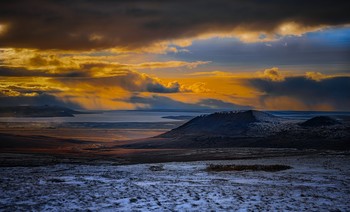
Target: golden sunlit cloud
[(95, 37), (273, 74), (160, 47), (251, 35), (3, 29), (95, 82), (48, 60), (197, 87), (317, 76), (212, 73), (110, 87), (167, 64), (296, 29)]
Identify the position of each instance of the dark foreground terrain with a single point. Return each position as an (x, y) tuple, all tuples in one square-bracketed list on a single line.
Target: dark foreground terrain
[(314, 182), (222, 162)]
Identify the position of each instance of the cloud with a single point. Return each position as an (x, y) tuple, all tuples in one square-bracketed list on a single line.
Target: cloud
[(158, 47), (6, 71), (37, 100), (167, 64), (27, 86), (93, 85), (133, 81), (127, 80), (162, 102), (69, 71), (158, 87), (55, 60), (332, 92), (198, 87), (273, 74), (326, 51), (317, 76), (3, 28), (104, 24), (211, 74), (61, 64)]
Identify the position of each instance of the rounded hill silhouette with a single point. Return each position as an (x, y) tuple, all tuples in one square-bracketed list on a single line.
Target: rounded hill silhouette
[(320, 121), (222, 123)]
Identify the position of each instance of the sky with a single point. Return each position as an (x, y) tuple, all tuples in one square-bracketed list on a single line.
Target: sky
[(194, 54)]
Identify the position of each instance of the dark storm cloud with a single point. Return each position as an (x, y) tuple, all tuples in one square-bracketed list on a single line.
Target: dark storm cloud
[(333, 91), (156, 87), (162, 102), (327, 50), (49, 24), (39, 100), (18, 72)]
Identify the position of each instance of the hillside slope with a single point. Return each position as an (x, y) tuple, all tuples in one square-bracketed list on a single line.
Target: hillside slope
[(250, 129), (232, 123)]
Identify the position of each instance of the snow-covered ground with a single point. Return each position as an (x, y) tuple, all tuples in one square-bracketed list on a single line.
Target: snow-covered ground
[(315, 183)]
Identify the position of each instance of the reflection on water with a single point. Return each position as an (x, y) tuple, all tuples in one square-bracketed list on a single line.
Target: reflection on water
[(110, 116), (154, 116)]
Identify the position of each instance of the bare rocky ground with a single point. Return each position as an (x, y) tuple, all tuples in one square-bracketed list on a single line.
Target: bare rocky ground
[(317, 182)]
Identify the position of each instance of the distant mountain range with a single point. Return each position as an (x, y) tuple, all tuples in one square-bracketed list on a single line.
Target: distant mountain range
[(252, 129), (37, 111)]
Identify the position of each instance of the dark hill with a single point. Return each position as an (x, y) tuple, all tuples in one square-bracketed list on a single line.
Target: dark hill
[(320, 121), (251, 129), (222, 123)]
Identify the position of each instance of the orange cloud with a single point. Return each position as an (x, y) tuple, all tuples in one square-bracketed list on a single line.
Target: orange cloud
[(317, 76), (3, 28), (273, 74), (60, 61), (212, 73)]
